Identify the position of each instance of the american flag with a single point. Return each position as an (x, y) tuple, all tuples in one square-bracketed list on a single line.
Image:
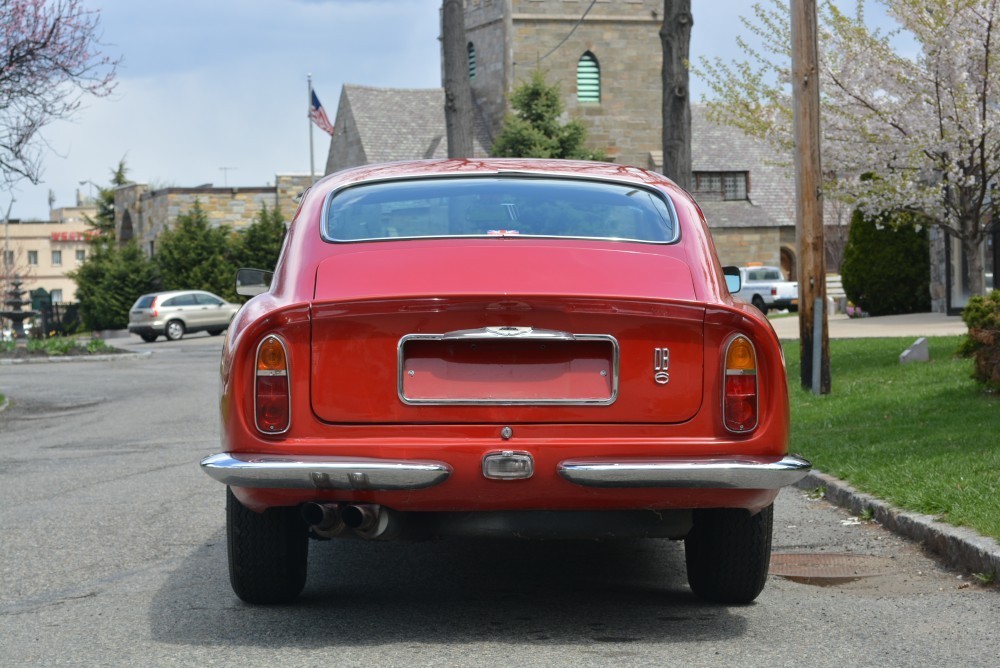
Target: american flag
[(318, 115)]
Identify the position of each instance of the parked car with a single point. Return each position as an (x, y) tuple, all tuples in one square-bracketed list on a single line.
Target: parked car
[(766, 288), (529, 348), (175, 313)]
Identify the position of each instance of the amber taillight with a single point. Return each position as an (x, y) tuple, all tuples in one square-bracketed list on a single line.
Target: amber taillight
[(272, 399), (739, 405)]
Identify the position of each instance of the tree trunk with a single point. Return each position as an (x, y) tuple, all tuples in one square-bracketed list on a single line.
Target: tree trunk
[(973, 250), (457, 89), (675, 35)]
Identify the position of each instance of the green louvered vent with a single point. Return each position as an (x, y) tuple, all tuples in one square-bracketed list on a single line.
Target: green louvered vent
[(472, 61), (588, 79)]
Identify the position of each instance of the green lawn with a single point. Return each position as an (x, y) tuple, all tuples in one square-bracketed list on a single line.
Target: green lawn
[(923, 436)]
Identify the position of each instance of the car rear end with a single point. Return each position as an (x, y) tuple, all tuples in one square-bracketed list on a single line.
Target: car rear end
[(506, 384), (144, 318)]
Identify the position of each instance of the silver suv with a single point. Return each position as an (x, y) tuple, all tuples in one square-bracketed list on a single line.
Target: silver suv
[(174, 313)]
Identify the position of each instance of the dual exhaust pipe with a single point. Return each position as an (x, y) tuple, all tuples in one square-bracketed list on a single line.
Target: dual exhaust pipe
[(366, 520)]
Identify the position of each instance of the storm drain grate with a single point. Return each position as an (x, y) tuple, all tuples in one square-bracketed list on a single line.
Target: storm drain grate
[(828, 568)]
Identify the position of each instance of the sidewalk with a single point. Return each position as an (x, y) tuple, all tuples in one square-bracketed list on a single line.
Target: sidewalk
[(911, 325)]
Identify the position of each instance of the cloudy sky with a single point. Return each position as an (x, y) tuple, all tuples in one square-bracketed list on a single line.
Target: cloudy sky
[(214, 91)]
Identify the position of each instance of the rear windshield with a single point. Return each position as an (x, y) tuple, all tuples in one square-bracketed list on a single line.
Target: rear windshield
[(499, 207), (145, 301)]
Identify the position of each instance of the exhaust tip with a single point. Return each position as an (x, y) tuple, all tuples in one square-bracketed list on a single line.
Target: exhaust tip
[(360, 518)]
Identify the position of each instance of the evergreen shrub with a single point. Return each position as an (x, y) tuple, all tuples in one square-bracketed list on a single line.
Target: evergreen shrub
[(886, 266)]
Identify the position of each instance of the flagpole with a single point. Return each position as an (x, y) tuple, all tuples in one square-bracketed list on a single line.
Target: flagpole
[(312, 161)]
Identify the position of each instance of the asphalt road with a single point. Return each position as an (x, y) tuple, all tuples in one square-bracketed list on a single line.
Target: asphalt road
[(112, 552)]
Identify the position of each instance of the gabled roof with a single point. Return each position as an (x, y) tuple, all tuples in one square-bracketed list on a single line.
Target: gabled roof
[(722, 148), (392, 124)]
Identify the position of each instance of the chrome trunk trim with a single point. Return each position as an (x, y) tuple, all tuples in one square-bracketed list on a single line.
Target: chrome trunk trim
[(738, 472), (516, 333), (355, 473)]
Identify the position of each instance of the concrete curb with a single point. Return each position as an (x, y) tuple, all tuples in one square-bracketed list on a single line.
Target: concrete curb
[(958, 547), (75, 358)]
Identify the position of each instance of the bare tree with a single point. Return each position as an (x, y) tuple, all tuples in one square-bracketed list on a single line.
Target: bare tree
[(457, 89), (50, 59), (675, 35)]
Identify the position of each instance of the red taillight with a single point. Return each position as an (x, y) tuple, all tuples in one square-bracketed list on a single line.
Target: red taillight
[(152, 307), (739, 406), (272, 399)]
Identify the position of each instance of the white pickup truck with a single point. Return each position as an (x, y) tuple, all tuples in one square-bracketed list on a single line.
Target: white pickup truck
[(766, 288)]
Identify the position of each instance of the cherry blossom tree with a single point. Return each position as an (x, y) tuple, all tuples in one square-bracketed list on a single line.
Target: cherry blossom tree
[(50, 59), (925, 126)]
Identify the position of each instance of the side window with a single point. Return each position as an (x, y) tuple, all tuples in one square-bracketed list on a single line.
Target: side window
[(207, 299), (180, 300)]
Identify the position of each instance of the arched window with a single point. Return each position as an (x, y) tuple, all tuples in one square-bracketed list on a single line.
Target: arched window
[(472, 61), (588, 79)]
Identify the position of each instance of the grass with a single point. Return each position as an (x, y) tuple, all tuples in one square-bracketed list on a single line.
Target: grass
[(923, 436)]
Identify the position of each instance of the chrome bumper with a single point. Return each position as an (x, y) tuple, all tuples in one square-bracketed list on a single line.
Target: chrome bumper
[(363, 473), (711, 473), (357, 473)]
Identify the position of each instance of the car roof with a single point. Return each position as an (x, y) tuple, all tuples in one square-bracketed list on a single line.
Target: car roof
[(583, 169), (171, 293)]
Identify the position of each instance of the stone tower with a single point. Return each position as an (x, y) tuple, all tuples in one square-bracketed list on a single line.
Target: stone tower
[(606, 61)]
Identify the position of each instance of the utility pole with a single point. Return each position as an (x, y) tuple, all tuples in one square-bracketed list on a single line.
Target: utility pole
[(814, 338)]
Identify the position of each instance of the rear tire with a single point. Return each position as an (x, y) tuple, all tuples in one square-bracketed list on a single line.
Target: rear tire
[(758, 301), (728, 552), (268, 552), (174, 330)]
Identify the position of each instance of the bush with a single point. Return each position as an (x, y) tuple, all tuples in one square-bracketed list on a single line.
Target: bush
[(886, 267), (534, 129), (982, 315), (109, 281)]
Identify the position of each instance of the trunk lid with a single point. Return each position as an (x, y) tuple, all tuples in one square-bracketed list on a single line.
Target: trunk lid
[(492, 333)]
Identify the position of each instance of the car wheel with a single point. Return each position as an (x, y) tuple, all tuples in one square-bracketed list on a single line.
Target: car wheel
[(216, 332), (148, 338), (758, 301), (728, 552), (268, 552), (174, 330)]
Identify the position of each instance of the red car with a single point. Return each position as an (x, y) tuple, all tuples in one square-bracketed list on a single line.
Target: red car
[(531, 348)]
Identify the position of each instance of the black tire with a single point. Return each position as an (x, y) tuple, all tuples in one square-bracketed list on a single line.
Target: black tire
[(174, 330), (216, 332), (148, 338), (728, 552), (758, 301), (268, 552)]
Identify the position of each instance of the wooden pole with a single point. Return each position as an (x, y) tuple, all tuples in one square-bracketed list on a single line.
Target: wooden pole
[(809, 196)]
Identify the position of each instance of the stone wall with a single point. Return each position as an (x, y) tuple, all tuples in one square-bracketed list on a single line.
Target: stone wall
[(143, 214)]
